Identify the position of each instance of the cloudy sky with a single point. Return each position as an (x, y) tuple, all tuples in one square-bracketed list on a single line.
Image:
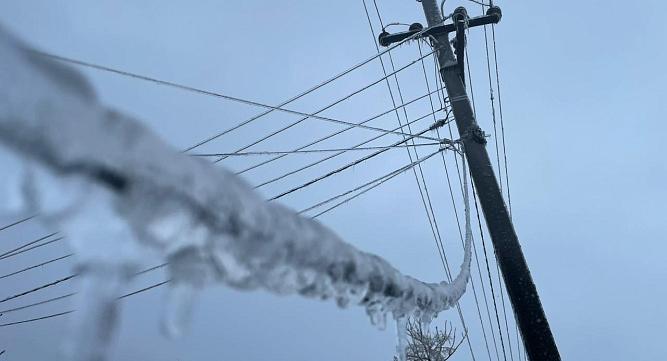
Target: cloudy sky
[(581, 83)]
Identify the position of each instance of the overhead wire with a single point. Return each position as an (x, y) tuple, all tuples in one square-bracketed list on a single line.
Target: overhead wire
[(322, 160), (351, 164), (16, 223), (23, 247), (310, 151), (333, 134), (224, 96), (500, 179), (378, 179), (30, 320), (53, 260), (425, 196), (472, 281), (458, 171), (330, 105)]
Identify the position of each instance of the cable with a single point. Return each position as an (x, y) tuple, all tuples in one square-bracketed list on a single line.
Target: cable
[(340, 100), (71, 311), (479, 313), (500, 178), (18, 295), (32, 248), (331, 135), (300, 95), (11, 310), (11, 252), (36, 266), (302, 168), (488, 270), (310, 151), (436, 231), (74, 293), (17, 223), (36, 319), (458, 171), (219, 95), (502, 123), (363, 159), (388, 175)]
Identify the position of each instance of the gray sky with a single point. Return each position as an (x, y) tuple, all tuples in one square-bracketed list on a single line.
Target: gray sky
[(581, 88)]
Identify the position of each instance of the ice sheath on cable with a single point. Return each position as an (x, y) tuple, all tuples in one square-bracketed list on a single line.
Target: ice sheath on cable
[(206, 221)]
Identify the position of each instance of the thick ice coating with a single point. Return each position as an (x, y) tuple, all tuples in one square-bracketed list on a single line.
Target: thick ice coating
[(209, 224)]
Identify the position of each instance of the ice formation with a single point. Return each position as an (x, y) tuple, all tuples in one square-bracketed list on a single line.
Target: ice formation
[(114, 188)]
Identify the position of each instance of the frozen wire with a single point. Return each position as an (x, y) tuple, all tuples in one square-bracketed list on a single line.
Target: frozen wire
[(340, 100), (388, 175), (32, 248), (310, 151), (16, 223), (331, 135), (17, 249), (358, 161), (36, 266), (284, 175)]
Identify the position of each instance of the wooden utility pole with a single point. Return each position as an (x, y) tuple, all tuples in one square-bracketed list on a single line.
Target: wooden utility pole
[(537, 336)]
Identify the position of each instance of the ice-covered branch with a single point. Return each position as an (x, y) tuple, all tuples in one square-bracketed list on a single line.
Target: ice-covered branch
[(119, 183)]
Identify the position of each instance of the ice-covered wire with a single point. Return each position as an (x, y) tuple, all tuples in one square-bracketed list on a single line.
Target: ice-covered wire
[(36, 266), (30, 320), (128, 157), (39, 288), (378, 179), (331, 105), (40, 245), (18, 249), (16, 223), (311, 151), (322, 160), (222, 96), (58, 298), (334, 134), (358, 161)]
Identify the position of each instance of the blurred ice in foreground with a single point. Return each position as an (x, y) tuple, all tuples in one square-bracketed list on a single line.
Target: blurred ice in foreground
[(114, 190)]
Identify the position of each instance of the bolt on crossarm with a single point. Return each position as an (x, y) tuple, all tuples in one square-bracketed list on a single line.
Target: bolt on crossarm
[(537, 337)]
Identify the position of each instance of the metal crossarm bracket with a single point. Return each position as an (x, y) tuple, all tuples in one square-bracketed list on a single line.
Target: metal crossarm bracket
[(493, 16)]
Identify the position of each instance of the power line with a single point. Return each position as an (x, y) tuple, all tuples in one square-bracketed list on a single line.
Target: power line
[(16, 223), (218, 95), (37, 266), (31, 248), (331, 135), (54, 299), (300, 95), (310, 151), (340, 100), (488, 270), (11, 252), (372, 155), (74, 293), (388, 175), (438, 238), (472, 282), (50, 284), (458, 171), (71, 311), (284, 175)]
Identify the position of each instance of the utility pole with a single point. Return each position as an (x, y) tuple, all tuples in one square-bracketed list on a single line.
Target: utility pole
[(537, 336)]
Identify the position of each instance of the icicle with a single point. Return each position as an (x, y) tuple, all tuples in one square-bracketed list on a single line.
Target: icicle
[(178, 311), (376, 313), (401, 336)]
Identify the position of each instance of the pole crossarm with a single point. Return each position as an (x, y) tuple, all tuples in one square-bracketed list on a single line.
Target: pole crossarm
[(493, 16)]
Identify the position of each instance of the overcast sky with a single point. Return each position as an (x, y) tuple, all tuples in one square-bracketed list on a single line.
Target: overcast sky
[(582, 85)]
